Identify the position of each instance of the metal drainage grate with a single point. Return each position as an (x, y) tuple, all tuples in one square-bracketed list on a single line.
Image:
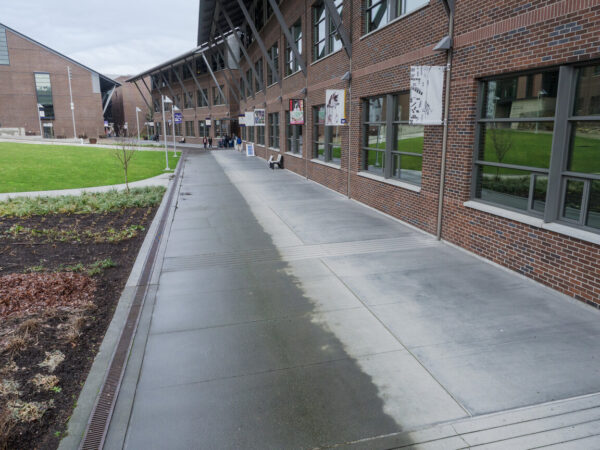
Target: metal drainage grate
[(100, 419)]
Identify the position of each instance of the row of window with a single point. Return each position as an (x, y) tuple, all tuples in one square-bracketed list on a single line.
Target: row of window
[(202, 99)]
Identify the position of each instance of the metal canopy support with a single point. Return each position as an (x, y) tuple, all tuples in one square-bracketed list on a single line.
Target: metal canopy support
[(169, 86), (259, 41), (240, 88), (448, 6), (339, 26), (213, 76), (232, 84), (185, 92), (198, 85), (112, 91), (143, 98), (288, 35), (241, 44)]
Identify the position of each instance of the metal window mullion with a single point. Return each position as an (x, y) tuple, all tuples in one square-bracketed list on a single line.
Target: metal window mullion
[(540, 170), (475, 171), (560, 142), (328, 143), (389, 135), (517, 119), (584, 118)]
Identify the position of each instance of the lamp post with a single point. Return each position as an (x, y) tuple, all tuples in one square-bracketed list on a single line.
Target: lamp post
[(40, 114), (173, 109), (167, 100), (137, 120), (72, 104)]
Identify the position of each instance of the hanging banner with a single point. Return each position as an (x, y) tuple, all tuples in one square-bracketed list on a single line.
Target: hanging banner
[(178, 117), (249, 118), (426, 86), (242, 120), (259, 117), (296, 112), (335, 107), (207, 122)]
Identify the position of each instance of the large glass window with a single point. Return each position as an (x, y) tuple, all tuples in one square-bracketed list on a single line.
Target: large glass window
[(218, 99), (249, 83), (273, 130), (515, 140), (189, 128), (327, 142), (4, 60), (258, 66), (43, 88), (260, 135), (380, 12), (188, 100), (392, 147), (202, 129), (217, 62), (178, 129), (293, 136), (291, 62), (522, 140), (202, 100), (326, 39), (251, 133), (274, 55)]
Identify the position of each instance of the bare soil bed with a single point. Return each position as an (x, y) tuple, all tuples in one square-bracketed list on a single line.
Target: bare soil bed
[(60, 279)]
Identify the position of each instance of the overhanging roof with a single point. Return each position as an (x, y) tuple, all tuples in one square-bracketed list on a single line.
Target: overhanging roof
[(207, 12), (178, 59), (33, 41)]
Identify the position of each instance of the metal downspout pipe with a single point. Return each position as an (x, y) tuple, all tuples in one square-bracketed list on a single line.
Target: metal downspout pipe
[(445, 136)]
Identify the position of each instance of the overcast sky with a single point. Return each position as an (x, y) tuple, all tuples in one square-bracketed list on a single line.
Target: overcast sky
[(112, 37)]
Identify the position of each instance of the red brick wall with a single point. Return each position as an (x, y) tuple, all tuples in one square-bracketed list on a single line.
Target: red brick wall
[(491, 38), (18, 100)]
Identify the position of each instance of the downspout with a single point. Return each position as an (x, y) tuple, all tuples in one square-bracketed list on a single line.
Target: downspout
[(445, 135)]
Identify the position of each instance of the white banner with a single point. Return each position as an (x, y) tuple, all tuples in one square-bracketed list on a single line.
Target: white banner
[(426, 87), (242, 120), (335, 107), (249, 118), (259, 118)]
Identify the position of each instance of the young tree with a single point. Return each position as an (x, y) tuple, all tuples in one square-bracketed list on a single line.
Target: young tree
[(125, 153), (502, 143)]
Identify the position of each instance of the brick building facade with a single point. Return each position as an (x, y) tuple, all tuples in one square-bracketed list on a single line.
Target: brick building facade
[(124, 102), (32, 74), (522, 165)]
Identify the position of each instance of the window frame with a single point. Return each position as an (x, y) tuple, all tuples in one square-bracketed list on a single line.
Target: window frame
[(329, 38), (273, 130), (557, 172), (294, 140), (291, 65), (395, 9), (273, 53), (47, 106)]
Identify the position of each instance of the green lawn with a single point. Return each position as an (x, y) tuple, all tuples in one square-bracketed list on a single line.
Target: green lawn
[(28, 167)]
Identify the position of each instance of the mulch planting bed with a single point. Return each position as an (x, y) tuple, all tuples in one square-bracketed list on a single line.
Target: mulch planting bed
[(60, 279)]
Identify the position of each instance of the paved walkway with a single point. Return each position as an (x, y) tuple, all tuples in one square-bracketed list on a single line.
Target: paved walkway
[(287, 316)]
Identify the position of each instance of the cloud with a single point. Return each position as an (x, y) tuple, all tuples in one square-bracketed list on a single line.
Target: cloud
[(116, 37)]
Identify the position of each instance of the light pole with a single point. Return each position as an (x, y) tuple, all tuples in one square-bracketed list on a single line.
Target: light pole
[(137, 120), (165, 99), (72, 104), (173, 109), (40, 114)]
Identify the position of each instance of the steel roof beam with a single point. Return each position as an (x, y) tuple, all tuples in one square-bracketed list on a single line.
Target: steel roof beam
[(213, 76), (198, 84), (288, 36), (339, 26), (191, 98), (259, 41)]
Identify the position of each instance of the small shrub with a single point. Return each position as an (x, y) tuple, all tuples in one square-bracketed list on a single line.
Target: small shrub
[(53, 359), (45, 382)]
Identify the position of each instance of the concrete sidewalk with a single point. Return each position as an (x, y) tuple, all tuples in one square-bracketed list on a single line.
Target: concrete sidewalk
[(287, 316)]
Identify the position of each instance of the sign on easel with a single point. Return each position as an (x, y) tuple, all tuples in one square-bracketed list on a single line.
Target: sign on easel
[(249, 149)]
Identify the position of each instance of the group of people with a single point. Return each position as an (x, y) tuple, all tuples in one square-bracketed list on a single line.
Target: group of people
[(207, 141)]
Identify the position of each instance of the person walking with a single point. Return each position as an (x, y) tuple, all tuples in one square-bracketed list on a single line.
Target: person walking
[(210, 142), (239, 144), (205, 142)]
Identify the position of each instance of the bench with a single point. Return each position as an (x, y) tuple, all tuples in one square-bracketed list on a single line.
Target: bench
[(275, 162)]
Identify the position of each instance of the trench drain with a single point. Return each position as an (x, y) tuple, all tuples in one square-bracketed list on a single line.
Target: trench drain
[(97, 427)]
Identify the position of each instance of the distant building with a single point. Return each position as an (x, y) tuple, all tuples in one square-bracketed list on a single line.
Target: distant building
[(34, 91), (124, 102)]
